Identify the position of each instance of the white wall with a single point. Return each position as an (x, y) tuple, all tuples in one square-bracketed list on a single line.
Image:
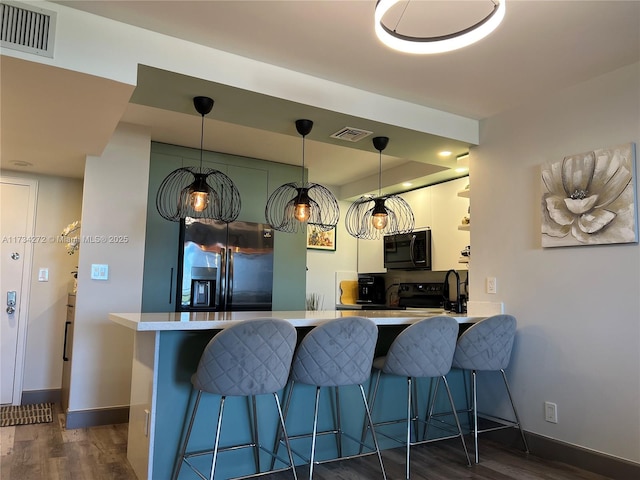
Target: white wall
[(59, 203), (322, 265), (114, 205), (578, 308)]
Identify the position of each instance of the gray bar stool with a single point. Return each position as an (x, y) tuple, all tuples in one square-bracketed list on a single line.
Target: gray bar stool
[(486, 346), (335, 354), (422, 350), (247, 359)]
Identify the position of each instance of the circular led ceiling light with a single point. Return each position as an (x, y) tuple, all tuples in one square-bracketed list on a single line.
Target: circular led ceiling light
[(436, 44)]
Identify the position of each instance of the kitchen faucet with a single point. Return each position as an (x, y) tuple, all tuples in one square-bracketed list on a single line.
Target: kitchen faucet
[(457, 306)]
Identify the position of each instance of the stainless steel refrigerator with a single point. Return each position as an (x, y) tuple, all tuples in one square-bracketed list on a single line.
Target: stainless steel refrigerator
[(225, 267)]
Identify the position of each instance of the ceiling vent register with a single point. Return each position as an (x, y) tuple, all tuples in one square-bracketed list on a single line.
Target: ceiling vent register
[(351, 134), (27, 28)]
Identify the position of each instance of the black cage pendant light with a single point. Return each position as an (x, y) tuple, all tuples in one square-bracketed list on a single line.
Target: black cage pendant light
[(294, 205), (371, 217), (198, 192)]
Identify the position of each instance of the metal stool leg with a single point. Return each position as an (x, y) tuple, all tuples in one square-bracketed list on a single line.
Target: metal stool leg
[(286, 438), (474, 407), (255, 439), (314, 433), (216, 443), (432, 404), (339, 422), (366, 424), (408, 452), (373, 432), (515, 413), (455, 415), (183, 449)]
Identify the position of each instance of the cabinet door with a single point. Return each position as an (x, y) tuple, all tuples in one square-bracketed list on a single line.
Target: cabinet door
[(252, 185), (371, 256), (161, 243)]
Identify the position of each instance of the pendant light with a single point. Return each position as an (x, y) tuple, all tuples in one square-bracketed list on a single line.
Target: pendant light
[(371, 217), (198, 192), (294, 205), (437, 44)]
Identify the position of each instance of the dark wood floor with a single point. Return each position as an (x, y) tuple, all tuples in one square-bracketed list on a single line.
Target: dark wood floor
[(49, 452)]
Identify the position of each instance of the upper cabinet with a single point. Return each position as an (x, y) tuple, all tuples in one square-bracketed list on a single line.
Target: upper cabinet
[(465, 222), (370, 256)]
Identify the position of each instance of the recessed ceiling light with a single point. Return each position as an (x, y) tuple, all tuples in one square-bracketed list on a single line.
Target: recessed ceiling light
[(407, 184), (461, 169), (445, 153)]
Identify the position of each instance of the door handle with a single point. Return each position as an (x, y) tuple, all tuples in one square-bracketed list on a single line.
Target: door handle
[(64, 347), (11, 302)]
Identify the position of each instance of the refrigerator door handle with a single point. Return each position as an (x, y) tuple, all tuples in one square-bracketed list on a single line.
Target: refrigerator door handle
[(222, 299), (230, 277)]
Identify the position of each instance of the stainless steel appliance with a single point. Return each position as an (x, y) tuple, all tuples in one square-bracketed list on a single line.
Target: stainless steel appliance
[(225, 267), (408, 251)]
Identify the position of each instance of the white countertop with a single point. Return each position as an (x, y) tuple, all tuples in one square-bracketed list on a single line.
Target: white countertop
[(168, 321)]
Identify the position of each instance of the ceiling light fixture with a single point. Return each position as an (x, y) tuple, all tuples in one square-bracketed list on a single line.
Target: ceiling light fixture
[(198, 192), (371, 217), (293, 205), (438, 44)]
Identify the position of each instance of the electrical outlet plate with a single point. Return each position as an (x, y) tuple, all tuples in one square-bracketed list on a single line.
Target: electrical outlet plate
[(551, 412), (492, 286)]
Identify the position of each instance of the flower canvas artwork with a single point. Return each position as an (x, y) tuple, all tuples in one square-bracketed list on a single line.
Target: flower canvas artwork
[(590, 198)]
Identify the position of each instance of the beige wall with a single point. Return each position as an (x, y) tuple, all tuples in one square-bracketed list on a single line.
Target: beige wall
[(578, 343), (114, 205)]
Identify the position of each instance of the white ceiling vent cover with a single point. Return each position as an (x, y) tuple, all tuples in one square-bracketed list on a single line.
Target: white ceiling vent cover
[(27, 28), (351, 134)]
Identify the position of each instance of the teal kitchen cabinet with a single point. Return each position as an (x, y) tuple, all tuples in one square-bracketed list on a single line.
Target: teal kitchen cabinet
[(255, 180)]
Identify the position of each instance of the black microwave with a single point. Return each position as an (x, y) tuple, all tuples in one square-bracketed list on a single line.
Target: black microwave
[(408, 251)]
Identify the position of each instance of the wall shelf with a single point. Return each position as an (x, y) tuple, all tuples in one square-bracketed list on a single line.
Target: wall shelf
[(464, 193), (466, 228)]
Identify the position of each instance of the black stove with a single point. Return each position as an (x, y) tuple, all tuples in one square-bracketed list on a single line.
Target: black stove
[(420, 295)]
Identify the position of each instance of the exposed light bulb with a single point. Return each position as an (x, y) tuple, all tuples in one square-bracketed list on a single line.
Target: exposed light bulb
[(379, 220), (199, 200), (302, 212)]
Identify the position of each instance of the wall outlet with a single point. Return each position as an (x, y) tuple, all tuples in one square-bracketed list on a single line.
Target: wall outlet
[(492, 286), (551, 412)]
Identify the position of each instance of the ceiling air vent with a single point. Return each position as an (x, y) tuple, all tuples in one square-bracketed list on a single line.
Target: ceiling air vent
[(27, 28), (350, 134)]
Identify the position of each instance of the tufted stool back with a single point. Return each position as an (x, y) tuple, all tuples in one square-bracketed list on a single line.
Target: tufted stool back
[(338, 352), (487, 344)]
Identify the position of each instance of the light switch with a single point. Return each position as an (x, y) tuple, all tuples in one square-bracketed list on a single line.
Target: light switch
[(43, 275), (99, 272)]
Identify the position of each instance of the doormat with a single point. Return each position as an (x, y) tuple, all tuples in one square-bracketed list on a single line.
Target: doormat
[(11, 415)]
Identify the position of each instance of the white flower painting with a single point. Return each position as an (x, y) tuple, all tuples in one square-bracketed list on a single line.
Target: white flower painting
[(590, 198)]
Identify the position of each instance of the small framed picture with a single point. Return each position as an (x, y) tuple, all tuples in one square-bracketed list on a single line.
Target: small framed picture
[(319, 240)]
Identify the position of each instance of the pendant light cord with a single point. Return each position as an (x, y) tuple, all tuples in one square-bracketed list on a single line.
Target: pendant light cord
[(302, 180), (201, 141), (395, 29), (380, 174)]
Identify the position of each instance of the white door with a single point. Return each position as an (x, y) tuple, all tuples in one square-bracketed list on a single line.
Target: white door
[(17, 212)]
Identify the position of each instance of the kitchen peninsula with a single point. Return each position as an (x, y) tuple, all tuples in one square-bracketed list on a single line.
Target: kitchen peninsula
[(166, 353)]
